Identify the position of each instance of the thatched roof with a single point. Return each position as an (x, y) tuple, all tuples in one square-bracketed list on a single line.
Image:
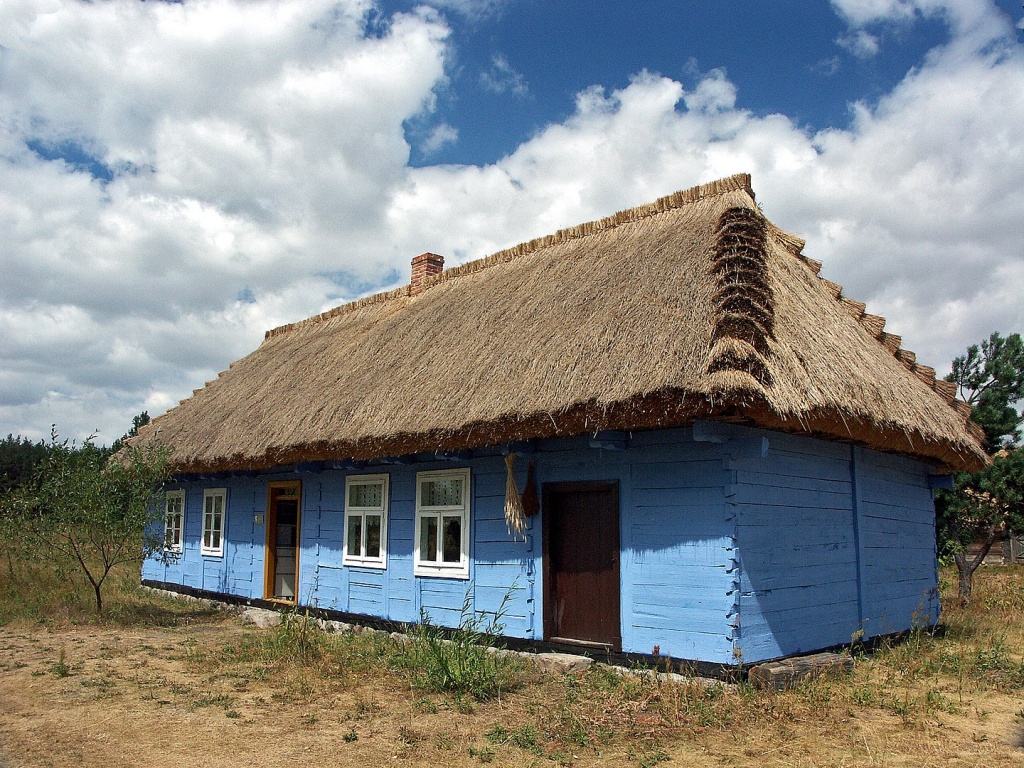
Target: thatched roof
[(694, 306)]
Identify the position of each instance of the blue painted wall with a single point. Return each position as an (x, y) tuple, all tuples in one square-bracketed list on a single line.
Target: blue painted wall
[(897, 543), (834, 540), (727, 556)]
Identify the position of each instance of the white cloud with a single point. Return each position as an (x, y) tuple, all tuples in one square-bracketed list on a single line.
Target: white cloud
[(502, 78), (916, 208), (441, 136), (972, 23), (861, 12), (272, 181), (265, 140), (860, 43), (474, 10)]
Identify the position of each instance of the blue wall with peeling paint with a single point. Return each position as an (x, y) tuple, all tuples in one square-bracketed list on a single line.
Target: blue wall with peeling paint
[(728, 555)]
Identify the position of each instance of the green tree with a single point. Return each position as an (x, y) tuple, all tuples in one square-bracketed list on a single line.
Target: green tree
[(138, 422), (18, 459), (990, 378), (88, 512), (985, 505), (982, 507)]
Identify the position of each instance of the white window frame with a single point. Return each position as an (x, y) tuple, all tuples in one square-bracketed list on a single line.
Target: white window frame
[(458, 570), (174, 545), (208, 515), (362, 512)]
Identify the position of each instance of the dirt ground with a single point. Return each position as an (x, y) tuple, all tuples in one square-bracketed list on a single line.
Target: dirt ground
[(133, 697)]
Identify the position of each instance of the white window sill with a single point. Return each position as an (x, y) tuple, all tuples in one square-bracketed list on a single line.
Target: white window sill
[(377, 565), (440, 572)]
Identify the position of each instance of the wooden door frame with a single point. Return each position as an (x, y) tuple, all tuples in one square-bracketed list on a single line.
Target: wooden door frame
[(270, 552), (547, 490)]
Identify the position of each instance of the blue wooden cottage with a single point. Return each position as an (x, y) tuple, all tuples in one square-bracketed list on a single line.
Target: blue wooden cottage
[(658, 433)]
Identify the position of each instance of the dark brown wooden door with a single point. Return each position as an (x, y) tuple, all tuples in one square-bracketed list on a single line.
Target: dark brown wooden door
[(581, 563)]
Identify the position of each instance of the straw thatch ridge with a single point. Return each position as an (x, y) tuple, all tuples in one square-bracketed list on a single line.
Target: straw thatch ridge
[(694, 306), (746, 316)]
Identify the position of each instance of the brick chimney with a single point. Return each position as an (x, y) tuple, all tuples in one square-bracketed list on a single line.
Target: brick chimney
[(423, 266)]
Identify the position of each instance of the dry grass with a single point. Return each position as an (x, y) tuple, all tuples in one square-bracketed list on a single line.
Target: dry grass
[(202, 689), (36, 593)]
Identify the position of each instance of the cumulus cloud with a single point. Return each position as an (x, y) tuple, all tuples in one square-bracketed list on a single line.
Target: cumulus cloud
[(258, 173), (916, 208), (972, 23), (440, 136), (502, 78), (252, 149)]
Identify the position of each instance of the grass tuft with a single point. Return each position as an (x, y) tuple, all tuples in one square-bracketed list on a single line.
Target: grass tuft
[(465, 661)]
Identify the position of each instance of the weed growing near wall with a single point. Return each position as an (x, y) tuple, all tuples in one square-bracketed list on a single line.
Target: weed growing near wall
[(463, 661)]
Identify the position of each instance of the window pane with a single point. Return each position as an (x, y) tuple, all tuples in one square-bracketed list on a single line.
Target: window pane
[(172, 524), (368, 495), (213, 521), (443, 492), (373, 535), (355, 534), (428, 539), (452, 539)]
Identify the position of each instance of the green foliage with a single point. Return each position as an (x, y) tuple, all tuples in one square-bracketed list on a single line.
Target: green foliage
[(138, 422), (483, 754), (983, 505), (992, 499), (19, 457), (87, 513), (463, 661), (525, 737), (990, 377), (298, 649), (298, 637), (61, 668)]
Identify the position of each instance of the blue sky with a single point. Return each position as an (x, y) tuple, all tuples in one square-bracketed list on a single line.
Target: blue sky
[(520, 66), (176, 178)]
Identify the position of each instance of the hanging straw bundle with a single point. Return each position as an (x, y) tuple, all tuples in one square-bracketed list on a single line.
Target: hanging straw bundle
[(515, 519)]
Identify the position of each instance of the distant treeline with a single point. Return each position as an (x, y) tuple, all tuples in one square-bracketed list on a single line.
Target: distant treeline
[(19, 456)]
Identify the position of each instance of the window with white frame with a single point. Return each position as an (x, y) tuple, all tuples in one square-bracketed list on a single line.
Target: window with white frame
[(442, 524), (214, 503), (174, 516), (366, 520)]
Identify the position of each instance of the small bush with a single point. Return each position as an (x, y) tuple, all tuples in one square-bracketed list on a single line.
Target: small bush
[(61, 668), (297, 638), (464, 660)]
